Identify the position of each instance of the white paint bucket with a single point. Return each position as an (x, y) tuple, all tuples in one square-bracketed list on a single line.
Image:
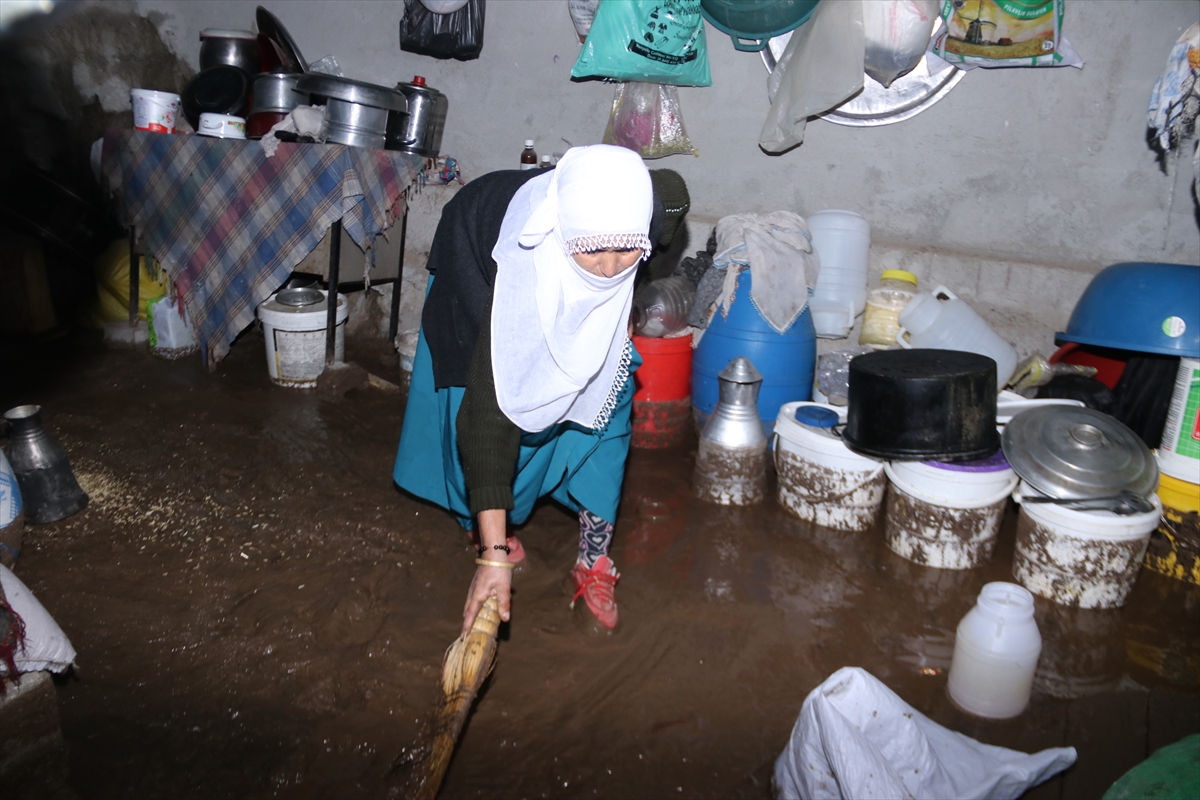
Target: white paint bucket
[(154, 111), (295, 338), (1089, 559), (1179, 453), (820, 479), (945, 518)]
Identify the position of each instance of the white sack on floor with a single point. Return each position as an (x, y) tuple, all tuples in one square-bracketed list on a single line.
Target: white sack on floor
[(856, 738), (46, 646)]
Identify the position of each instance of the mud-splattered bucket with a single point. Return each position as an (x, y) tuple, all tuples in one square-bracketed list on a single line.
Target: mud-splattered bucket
[(295, 337), (662, 406), (1088, 559), (1174, 548), (944, 516), (820, 479)]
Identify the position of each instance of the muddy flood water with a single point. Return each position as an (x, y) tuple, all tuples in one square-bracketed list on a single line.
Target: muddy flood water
[(260, 613)]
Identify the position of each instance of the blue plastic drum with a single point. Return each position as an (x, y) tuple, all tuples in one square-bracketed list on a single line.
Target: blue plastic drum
[(786, 360)]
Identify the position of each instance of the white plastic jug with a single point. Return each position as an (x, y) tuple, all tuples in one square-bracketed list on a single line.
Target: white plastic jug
[(996, 649), (842, 240), (941, 321)]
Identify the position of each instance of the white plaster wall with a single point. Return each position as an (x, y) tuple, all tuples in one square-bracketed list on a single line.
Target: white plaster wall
[(1014, 189)]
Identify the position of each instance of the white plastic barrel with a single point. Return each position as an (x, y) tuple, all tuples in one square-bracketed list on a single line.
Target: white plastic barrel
[(843, 242), (1089, 559), (941, 321), (295, 338), (820, 479), (946, 515)]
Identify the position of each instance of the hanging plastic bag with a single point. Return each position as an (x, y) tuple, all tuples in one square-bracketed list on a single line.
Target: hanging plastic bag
[(821, 68), (1005, 33), (458, 34), (896, 35), (171, 334), (856, 738), (645, 118), (646, 40)]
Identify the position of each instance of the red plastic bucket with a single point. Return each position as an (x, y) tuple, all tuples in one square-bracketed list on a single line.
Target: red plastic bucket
[(662, 402), (666, 370)]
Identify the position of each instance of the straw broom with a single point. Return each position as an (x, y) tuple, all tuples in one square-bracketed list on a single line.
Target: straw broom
[(468, 662)]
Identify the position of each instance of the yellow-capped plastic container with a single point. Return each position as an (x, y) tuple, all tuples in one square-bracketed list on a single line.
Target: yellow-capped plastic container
[(881, 317), (1175, 546)]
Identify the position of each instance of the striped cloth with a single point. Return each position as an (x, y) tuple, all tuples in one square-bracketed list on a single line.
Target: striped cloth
[(229, 224)]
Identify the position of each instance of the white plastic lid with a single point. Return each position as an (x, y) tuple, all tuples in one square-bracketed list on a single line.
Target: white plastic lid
[(529, 142)]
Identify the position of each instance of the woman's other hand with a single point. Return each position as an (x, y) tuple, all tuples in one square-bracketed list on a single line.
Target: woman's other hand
[(490, 581)]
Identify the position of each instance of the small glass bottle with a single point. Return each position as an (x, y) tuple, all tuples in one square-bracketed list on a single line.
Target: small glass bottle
[(529, 159), (881, 316), (546, 162)]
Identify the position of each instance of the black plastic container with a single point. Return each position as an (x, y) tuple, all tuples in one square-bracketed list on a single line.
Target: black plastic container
[(922, 405)]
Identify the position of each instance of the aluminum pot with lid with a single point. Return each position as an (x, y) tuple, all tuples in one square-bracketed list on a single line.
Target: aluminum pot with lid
[(420, 130), (1071, 452), (356, 113), (276, 91), (234, 48)]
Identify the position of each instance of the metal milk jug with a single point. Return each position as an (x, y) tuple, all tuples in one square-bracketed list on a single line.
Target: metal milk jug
[(48, 486), (731, 464)]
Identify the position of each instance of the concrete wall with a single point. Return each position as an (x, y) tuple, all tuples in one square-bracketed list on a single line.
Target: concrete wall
[(1014, 189)]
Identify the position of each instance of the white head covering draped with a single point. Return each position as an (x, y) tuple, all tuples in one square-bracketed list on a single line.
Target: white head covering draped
[(559, 349)]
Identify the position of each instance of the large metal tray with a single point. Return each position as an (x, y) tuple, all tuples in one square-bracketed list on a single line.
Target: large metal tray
[(875, 105)]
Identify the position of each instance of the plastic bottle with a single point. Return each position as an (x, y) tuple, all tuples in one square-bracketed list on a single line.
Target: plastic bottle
[(881, 317), (941, 321), (843, 241), (529, 159), (546, 162), (996, 651), (660, 308)]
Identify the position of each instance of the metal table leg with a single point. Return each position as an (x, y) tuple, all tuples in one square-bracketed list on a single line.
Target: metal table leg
[(134, 276), (335, 253), (394, 320)]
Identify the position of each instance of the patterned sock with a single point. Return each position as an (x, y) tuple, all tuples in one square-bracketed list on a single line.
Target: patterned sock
[(595, 537)]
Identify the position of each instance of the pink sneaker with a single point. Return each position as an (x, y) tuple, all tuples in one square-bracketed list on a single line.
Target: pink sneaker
[(596, 586), (516, 553)]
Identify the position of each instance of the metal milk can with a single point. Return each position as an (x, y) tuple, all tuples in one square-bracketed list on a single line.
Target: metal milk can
[(731, 464), (48, 486)]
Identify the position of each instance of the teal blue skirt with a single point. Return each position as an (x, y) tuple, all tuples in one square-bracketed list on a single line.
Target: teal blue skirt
[(577, 466)]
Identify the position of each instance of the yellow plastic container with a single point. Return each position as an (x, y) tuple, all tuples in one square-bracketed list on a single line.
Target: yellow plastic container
[(1175, 547)]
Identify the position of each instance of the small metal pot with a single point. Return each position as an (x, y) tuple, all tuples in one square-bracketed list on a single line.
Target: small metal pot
[(355, 124), (420, 129), (235, 48), (276, 92)]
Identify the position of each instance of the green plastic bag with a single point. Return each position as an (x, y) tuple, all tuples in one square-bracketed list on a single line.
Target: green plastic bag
[(655, 41)]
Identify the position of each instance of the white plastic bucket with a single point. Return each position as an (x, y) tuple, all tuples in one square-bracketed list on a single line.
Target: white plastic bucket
[(940, 320), (295, 340), (1179, 453), (820, 479), (842, 240), (1089, 559), (944, 521), (154, 111)]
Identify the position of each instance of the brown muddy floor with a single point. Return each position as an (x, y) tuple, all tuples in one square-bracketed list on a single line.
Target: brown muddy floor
[(259, 612)]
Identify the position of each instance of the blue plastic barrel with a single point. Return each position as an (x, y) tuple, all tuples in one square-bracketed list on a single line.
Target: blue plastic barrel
[(786, 360)]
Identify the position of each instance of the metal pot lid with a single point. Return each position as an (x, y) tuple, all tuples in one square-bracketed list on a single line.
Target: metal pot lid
[(299, 296), (1066, 452), (289, 53), (351, 91)]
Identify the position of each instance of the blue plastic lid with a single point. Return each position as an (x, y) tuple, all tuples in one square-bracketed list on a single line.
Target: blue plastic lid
[(816, 417)]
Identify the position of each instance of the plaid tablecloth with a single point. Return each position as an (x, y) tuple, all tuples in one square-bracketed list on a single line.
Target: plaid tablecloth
[(229, 224)]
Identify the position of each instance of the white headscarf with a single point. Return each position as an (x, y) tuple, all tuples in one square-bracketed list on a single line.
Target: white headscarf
[(559, 349)]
